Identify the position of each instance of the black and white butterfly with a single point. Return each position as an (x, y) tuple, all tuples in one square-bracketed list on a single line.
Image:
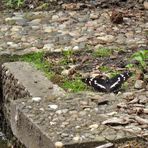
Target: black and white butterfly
[(109, 84)]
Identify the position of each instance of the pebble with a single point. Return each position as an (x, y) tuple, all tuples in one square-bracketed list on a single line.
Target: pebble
[(107, 38), (65, 72), (76, 48), (82, 113), (58, 144), (64, 111), (48, 47), (48, 29), (12, 44), (53, 106), (145, 5), (139, 84), (133, 129), (55, 17), (35, 22), (93, 126), (42, 109), (76, 139), (143, 99), (36, 99), (128, 95)]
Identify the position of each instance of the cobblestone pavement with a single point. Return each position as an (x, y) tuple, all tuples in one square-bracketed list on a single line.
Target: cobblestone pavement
[(23, 32)]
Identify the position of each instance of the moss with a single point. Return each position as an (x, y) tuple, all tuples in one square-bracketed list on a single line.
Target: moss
[(104, 68), (15, 3), (37, 60), (74, 85)]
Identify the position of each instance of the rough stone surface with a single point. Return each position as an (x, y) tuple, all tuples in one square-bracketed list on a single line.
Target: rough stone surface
[(69, 120), (58, 30), (139, 84)]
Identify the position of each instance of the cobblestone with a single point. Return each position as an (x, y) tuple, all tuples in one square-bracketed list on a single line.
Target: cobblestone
[(37, 31)]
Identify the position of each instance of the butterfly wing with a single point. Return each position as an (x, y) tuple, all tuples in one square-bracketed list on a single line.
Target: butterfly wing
[(108, 85), (97, 83), (117, 81)]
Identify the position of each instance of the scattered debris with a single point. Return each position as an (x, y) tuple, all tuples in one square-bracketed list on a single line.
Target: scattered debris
[(141, 120), (116, 17)]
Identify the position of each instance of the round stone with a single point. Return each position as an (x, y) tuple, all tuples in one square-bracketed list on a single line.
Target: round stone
[(36, 21), (58, 144), (93, 126), (48, 46), (139, 84), (107, 38), (76, 139), (53, 106), (145, 5), (76, 48), (55, 17)]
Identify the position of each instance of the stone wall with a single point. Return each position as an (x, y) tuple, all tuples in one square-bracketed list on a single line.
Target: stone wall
[(12, 90)]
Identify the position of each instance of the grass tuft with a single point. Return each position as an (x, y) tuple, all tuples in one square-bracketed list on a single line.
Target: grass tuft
[(74, 85), (102, 52)]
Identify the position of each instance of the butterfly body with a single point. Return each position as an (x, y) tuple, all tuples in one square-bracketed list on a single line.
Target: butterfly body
[(107, 85)]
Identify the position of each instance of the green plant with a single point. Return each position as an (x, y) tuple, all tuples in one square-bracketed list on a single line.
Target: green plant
[(74, 85), (104, 68), (140, 56), (37, 60), (67, 56), (113, 73), (68, 53), (15, 3), (102, 52)]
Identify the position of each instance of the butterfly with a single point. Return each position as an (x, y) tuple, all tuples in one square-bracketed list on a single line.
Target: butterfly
[(109, 84)]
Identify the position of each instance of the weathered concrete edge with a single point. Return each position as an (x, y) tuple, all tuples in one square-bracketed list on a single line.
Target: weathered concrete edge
[(16, 87), (26, 131)]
